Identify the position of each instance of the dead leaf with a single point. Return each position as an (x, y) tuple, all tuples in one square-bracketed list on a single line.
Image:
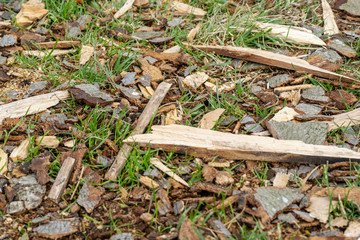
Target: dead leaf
[(208, 121)]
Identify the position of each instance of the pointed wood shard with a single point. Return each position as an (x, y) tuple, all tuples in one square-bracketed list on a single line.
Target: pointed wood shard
[(208, 143), (330, 26), (274, 59)]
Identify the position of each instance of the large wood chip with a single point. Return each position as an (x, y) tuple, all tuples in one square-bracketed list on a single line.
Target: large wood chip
[(85, 54), (42, 54), (3, 162), (185, 8), (208, 121), (208, 173), (281, 180), (187, 231), (21, 151), (330, 26), (194, 81), (30, 12), (319, 208)]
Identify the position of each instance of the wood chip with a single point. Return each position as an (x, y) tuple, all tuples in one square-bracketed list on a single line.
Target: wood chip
[(185, 8), (44, 53), (187, 231), (158, 164), (285, 114), (290, 88), (148, 182), (194, 81), (3, 162), (47, 141), (85, 54), (30, 12), (353, 231), (193, 32), (319, 208), (208, 121), (21, 151), (330, 26), (128, 4), (173, 117), (208, 173), (281, 180)]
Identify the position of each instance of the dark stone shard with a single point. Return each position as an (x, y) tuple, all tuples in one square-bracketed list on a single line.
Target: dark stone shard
[(304, 216), (91, 95), (351, 135), (315, 94), (7, 41), (342, 48), (219, 226), (279, 80), (251, 66), (247, 120), (189, 70), (56, 229), (36, 87), (308, 132), (309, 109), (41, 30), (2, 60), (328, 54), (289, 218), (254, 128), (14, 94), (130, 92), (343, 99), (3, 76), (275, 200), (151, 60), (129, 79), (89, 197), (160, 40), (310, 117), (228, 120), (147, 35), (145, 80)]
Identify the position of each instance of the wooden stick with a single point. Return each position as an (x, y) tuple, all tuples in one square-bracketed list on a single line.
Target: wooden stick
[(61, 180), (330, 26), (143, 121), (274, 59), (31, 105), (345, 119), (128, 4), (295, 87), (54, 44), (208, 143), (156, 162)]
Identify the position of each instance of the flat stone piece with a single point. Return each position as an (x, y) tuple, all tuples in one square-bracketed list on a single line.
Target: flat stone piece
[(91, 95), (56, 229), (250, 66), (122, 236), (351, 135), (2, 60), (308, 132), (25, 180), (328, 54), (36, 87), (89, 197), (254, 128), (15, 207), (7, 40), (129, 79), (31, 195), (310, 117), (228, 120), (350, 6), (342, 48), (160, 40), (151, 60), (14, 94), (274, 200), (147, 35), (279, 80), (145, 80), (317, 90), (247, 119), (289, 218), (309, 109), (315, 94), (343, 98), (175, 22), (130, 92)]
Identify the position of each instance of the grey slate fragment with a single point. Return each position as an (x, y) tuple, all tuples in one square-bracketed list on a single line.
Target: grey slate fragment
[(315, 94), (310, 117), (122, 236), (2, 60), (219, 226), (147, 35), (31, 195), (279, 80), (15, 207), (309, 109), (41, 30), (91, 95), (129, 79), (101, 160), (56, 229), (6, 15), (160, 39), (89, 197), (328, 54), (145, 80), (36, 87), (351, 135), (304, 215), (308, 132), (289, 218), (7, 41), (152, 173), (175, 22), (256, 89), (254, 128), (84, 20), (190, 69), (274, 200), (151, 60), (178, 207), (304, 202), (74, 30), (317, 90), (228, 120), (42, 219), (350, 6), (130, 92), (326, 233), (246, 120), (25, 180), (14, 94)]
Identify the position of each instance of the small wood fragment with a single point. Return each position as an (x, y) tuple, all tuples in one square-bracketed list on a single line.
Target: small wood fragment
[(208, 121), (30, 12), (143, 121), (128, 4), (47, 141), (85, 54), (156, 162), (281, 180), (21, 151), (330, 26), (185, 8), (61, 180), (193, 32), (55, 44), (148, 182), (31, 105), (3, 162), (42, 54), (274, 59), (290, 88)]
